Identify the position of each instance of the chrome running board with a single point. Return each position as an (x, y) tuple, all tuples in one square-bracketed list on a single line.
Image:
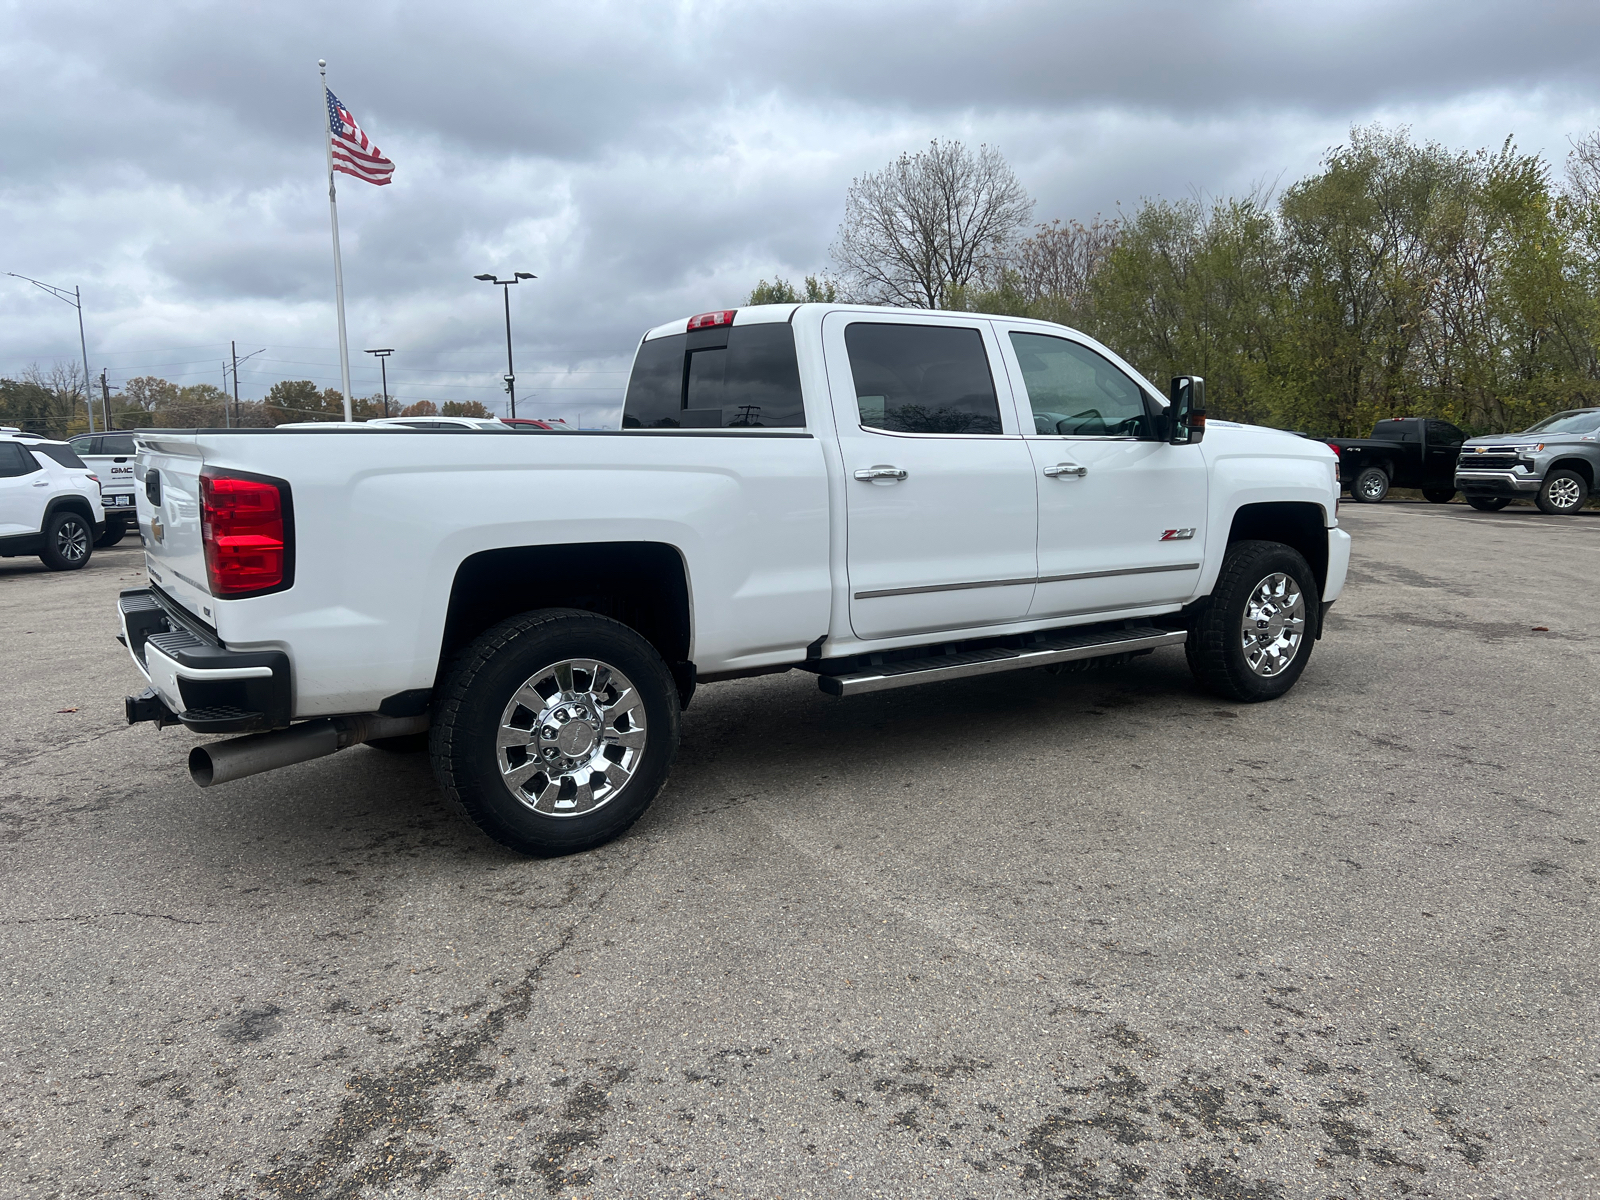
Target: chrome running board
[(1066, 647)]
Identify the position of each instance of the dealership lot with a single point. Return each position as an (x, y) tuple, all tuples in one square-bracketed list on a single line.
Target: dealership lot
[(1086, 935)]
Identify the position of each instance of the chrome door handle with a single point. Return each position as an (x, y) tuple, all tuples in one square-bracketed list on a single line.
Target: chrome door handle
[(1066, 469), (41, 483), (868, 474)]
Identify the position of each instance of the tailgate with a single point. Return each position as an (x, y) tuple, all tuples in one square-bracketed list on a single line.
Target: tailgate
[(167, 479)]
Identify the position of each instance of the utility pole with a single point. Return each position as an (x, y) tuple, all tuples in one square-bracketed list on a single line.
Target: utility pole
[(234, 349), (383, 366), (74, 298), (105, 392), (505, 287)]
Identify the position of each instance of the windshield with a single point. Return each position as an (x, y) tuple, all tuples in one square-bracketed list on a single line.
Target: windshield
[(1581, 420)]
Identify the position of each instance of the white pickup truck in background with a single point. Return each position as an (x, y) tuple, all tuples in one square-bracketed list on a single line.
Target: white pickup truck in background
[(881, 497), (110, 456)]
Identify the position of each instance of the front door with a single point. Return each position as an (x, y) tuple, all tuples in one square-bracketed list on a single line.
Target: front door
[(1122, 515), (939, 489), (24, 490)]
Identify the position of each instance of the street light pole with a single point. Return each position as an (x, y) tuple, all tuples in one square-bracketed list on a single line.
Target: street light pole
[(234, 348), (76, 300), (505, 286), (383, 366)]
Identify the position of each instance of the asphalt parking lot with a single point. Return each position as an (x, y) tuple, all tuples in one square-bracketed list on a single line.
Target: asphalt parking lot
[(1092, 935)]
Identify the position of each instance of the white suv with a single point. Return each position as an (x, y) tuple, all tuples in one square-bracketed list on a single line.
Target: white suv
[(49, 502)]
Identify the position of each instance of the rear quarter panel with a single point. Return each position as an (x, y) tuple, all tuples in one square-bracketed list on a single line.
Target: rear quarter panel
[(384, 519)]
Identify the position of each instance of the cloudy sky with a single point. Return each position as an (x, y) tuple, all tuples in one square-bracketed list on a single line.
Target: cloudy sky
[(646, 161)]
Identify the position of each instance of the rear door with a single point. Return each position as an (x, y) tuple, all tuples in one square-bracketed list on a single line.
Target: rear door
[(940, 496), (1122, 515)]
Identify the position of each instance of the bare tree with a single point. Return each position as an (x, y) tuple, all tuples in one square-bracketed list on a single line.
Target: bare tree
[(944, 217), (1060, 259), (1583, 170)]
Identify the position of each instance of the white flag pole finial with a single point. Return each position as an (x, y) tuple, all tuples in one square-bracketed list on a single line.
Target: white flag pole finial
[(333, 217)]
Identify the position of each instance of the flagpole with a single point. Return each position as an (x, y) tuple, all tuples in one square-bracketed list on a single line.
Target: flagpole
[(338, 267)]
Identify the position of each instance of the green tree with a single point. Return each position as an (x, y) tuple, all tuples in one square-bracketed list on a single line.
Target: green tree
[(422, 408), (464, 408), (818, 290)]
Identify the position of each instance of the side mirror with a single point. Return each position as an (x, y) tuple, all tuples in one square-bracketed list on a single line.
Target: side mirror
[(1186, 416)]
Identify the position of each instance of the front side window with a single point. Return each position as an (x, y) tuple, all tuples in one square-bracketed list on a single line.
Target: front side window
[(728, 377), (922, 379), (14, 461), (1074, 391), (85, 445), (1442, 433)]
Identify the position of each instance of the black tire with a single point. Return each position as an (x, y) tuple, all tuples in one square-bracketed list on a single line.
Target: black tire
[(1438, 495), (68, 540), (116, 529), (485, 685), (1562, 493), (1371, 486), (406, 743), (1488, 503), (1216, 649)]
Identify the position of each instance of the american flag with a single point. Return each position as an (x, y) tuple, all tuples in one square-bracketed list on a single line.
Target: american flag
[(352, 152)]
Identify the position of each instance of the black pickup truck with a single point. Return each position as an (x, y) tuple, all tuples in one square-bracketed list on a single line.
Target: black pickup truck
[(1410, 452)]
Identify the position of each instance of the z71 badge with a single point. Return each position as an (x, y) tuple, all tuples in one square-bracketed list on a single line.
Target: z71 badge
[(1177, 535)]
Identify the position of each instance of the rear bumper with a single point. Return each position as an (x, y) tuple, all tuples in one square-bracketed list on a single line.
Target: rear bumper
[(200, 682), (1496, 483)]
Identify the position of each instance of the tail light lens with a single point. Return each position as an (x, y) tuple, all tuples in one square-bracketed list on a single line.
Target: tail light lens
[(246, 526)]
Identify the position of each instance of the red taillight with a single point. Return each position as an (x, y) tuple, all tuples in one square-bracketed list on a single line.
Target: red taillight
[(707, 320), (242, 524), (1335, 449)]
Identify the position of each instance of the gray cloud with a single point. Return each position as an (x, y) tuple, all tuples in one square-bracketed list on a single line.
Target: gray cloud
[(647, 161)]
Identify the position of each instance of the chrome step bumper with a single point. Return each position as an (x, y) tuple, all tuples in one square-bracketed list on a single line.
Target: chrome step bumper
[(1064, 648)]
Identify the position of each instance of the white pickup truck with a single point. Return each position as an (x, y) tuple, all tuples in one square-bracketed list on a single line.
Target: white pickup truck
[(881, 497)]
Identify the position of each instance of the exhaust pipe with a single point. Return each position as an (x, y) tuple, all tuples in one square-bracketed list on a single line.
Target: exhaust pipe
[(223, 762)]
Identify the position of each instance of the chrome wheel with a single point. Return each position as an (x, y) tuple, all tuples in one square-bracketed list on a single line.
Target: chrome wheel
[(1274, 624), (1565, 493), (1372, 487), (571, 738), (72, 541)]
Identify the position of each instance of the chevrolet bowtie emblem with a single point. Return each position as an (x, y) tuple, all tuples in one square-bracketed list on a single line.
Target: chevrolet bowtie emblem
[(156, 528), (1479, 449)]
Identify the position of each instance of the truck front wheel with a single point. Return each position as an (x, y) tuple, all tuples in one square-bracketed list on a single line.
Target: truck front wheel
[(1561, 493), (555, 731), (1250, 639), (1371, 486)]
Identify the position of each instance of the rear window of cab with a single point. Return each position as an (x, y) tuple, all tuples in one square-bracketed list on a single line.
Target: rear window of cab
[(725, 377)]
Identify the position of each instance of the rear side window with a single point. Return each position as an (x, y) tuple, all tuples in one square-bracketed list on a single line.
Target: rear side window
[(922, 379), (731, 377), (14, 461), (85, 445), (65, 455), (114, 443)]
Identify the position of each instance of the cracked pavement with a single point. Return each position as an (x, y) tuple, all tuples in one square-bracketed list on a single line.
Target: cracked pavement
[(1080, 935)]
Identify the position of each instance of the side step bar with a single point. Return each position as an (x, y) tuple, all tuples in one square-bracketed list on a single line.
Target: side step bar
[(936, 667)]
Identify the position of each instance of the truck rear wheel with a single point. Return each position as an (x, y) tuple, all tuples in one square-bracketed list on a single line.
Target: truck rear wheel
[(1438, 495), (1371, 486), (1488, 503), (1562, 492), (1251, 638), (555, 731), (115, 529)]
